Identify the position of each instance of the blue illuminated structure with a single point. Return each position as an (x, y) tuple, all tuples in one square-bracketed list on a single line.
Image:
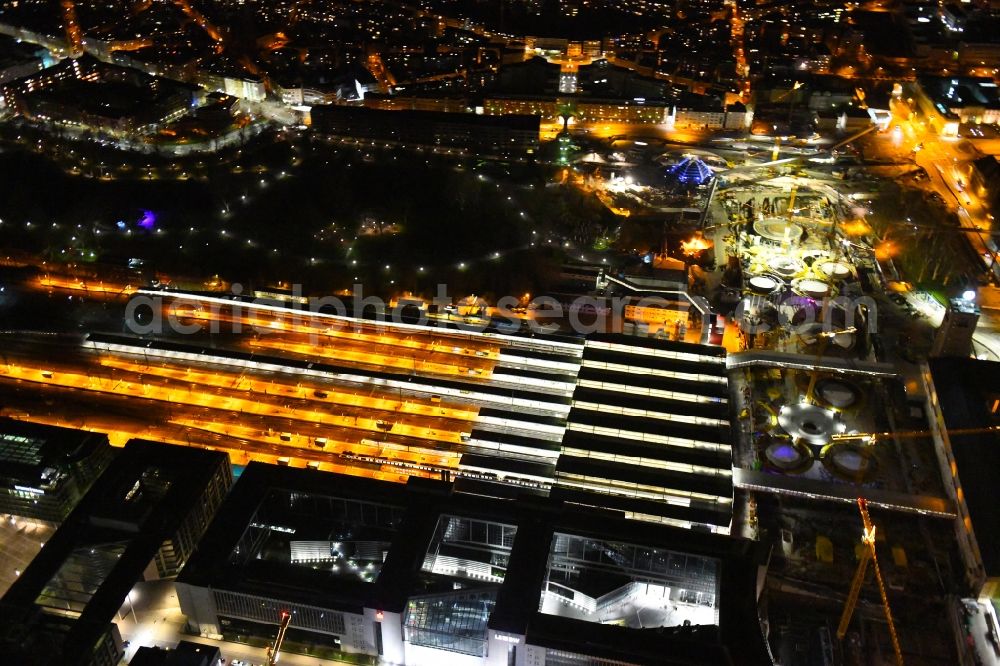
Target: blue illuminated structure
[(148, 219), (690, 171)]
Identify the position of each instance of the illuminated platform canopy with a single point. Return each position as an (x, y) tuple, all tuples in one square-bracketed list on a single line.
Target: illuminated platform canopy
[(638, 425)]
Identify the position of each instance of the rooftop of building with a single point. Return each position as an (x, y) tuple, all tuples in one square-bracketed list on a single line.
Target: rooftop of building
[(968, 392), (186, 653), (404, 118), (112, 100), (885, 33), (982, 27), (398, 530), (35, 455), (960, 91), (581, 100), (36, 17), (651, 414), (76, 583), (15, 52), (120, 84)]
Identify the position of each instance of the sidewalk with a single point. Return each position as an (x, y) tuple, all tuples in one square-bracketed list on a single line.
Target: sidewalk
[(156, 620)]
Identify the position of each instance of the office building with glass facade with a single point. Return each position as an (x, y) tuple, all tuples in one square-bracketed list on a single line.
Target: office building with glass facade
[(45, 470), (428, 573), (140, 520)]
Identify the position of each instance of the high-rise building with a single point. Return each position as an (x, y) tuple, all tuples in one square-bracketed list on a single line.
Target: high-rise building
[(45, 470), (954, 336), (141, 519), (963, 408)]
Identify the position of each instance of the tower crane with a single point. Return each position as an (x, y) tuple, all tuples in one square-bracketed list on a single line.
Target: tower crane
[(916, 434), (868, 555), (791, 103), (275, 649), (791, 199), (824, 341)]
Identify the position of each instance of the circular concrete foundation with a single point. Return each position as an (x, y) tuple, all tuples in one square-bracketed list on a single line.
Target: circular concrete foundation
[(785, 267), (838, 393), (778, 230), (835, 270), (763, 284), (811, 423), (813, 288), (788, 456), (852, 461)]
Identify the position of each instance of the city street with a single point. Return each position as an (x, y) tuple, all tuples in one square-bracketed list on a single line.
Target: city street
[(947, 162)]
